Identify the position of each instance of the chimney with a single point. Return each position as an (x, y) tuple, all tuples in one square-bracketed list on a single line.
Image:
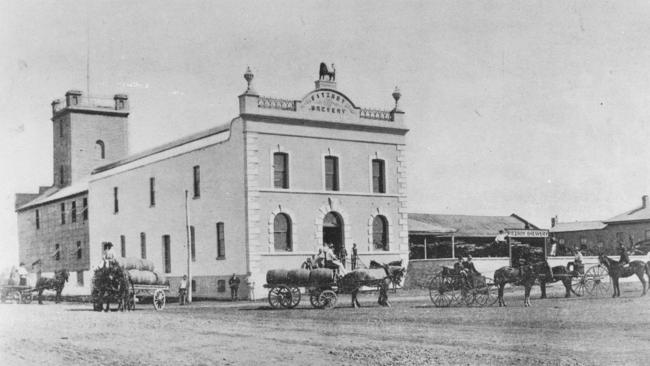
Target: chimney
[(56, 105), (72, 98), (553, 222), (644, 201), (121, 101)]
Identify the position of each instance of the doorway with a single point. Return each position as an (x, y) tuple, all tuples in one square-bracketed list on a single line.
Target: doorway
[(333, 231)]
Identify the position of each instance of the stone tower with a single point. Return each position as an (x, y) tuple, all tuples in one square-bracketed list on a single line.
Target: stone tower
[(87, 132)]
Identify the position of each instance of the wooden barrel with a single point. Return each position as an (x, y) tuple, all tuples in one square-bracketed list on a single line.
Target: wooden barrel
[(143, 277), (276, 276), (321, 276), (298, 277)]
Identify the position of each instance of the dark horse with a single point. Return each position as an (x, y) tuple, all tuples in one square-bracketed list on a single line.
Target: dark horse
[(56, 284), (381, 277), (617, 270), (525, 276), (560, 273), (325, 72), (112, 284)]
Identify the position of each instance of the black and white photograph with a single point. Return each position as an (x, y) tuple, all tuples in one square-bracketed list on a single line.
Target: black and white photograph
[(216, 182)]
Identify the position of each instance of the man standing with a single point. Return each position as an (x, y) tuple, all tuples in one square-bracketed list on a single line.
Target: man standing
[(22, 274), (354, 256), (344, 255), (233, 282), (182, 291)]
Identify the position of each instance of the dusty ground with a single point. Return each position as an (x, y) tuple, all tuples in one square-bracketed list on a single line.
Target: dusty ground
[(558, 331)]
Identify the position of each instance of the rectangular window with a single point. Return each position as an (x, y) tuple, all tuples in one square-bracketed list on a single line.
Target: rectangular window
[(378, 177), (80, 278), (122, 246), (197, 181), (331, 173), (57, 252), (192, 244), (193, 285), (38, 220), (647, 234), (62, 213), (221, 242), (166, 250), (583, 241), (152, 191), (221, 286), (280, 170), (143, 245), (61, 180), (85, 210), (79, 253), (73, 212), (61, 128), (116, 202)]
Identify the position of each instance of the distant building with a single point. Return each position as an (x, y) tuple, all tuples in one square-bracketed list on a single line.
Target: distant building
[(53, 225), (632, 228), (433, 236)]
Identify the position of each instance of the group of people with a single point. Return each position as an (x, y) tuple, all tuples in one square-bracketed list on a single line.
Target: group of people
[(326, 258), (466, 268)]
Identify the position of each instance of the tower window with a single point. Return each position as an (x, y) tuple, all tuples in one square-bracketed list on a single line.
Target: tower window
[(73, 212), (197, 181), (38, 220), (331, 173), (116, 202), (378, 176), (152, 191), (101, 149), (280, 170), (62, 213)]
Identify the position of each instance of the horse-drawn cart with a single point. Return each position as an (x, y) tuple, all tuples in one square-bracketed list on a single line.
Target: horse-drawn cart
[(594, 281), (448, 288), (156, 292), (16, 293), (323, 285)]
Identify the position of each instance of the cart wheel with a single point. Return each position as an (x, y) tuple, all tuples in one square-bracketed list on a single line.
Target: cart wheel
[(295, 297), (97, 306), (15, 297), (441, 291), (579, 285), (27, 297), (487, 294), (314, 299), (159, 299), (280, 297), (463, 295), (598, 281), (328, 299)]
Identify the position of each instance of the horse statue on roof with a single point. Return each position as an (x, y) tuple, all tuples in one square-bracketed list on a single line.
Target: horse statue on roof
[(324, 72)]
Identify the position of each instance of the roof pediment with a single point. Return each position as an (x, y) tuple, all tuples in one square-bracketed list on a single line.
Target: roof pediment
[(328, 101)]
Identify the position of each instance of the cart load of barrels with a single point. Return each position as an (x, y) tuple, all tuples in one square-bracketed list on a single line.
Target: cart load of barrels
[(300, 277), (284, 287)]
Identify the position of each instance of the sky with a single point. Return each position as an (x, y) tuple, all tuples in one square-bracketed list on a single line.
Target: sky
[(538, 108)]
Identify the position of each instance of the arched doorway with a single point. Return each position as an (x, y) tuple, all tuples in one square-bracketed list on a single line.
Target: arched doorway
[(333, 231)]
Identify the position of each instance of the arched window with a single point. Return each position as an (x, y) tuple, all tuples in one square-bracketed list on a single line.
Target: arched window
[(380, 233), (101, 148), (282, 232)]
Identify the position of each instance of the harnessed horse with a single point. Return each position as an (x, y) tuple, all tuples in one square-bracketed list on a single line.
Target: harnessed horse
[(617, 270), (57, 283), (381, 277), (525, 275)]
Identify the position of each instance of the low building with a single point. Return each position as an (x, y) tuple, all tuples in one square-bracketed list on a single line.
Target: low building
[(434, 236), (632, 228)]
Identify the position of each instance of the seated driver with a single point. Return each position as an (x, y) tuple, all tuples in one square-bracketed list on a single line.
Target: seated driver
[(331, 261)]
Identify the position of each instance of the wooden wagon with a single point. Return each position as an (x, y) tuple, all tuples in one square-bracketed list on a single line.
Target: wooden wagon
[(16, 293)]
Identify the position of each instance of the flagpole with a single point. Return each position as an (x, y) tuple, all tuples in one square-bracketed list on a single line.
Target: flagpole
[(187, 238)]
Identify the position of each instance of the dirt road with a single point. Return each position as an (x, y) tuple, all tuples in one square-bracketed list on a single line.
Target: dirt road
[(557, 331)]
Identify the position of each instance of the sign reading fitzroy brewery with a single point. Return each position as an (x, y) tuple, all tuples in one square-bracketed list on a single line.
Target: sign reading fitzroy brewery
[(326, 101), (524, 233)]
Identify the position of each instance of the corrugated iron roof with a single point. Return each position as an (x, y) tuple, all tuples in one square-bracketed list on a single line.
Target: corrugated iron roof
[(55, 193), (577, 226), (638, 214), (466, 225)]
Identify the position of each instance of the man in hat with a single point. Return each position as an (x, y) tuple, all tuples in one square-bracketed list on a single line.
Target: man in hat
[(624, 259), (182, 291), (576, 266), (109, 255), (233, 282), (22, 274)]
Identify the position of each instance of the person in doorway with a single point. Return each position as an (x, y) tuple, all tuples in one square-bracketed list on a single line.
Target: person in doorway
[(182, 291), (22, 274), (355, 256), (553, 247), (233, 282), (344, 256)]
